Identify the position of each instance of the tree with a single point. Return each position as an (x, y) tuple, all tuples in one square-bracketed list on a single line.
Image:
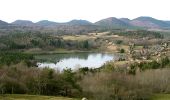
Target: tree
[(86, 44), (122, 50)]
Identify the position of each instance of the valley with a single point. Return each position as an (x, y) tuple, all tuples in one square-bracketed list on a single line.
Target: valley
[(119, 59)]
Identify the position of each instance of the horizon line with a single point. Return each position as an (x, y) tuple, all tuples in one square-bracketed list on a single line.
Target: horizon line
[(76, 19)]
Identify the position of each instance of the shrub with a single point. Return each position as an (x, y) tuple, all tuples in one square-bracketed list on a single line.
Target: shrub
[(119, 41), (7, 58), (114, 86), (122, 50), (32, 80)]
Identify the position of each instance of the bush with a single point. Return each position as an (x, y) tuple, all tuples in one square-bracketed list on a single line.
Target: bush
[(21, 79), (122, 50), (7, 58), (114, 86), (163, 63), (121, 86), (119, 41)]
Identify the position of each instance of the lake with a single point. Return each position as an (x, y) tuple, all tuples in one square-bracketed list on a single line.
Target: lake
[(74, 60)]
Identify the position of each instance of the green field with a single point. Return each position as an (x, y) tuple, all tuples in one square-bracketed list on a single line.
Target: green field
[(31, 97), (38, 97), (161, 97)]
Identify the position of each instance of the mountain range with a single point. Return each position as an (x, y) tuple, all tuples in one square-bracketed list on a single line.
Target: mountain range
[(111, 22)]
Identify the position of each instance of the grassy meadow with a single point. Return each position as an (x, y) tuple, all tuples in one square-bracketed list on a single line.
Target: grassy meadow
[(31, 97)]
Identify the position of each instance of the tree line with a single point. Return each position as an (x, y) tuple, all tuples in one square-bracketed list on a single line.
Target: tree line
[(21, 41), (138, 34)]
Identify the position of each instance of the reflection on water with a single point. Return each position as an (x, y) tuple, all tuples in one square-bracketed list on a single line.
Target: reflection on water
[(74, 60)]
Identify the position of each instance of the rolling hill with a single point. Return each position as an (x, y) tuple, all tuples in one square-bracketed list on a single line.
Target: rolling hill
[(126, 20), (83, 26), (46, 23), (23, 23), (3, 24), (112, 22), (149, 22), (79, 22)]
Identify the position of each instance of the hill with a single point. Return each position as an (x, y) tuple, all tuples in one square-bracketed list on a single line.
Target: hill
[(149, 22), (46, 23), (79, 22), (23, 23), (112, 22), (84, 26), (126, 20), (140, 22), (3, 24)]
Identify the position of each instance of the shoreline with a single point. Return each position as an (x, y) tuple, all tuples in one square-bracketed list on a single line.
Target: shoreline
[(67, 52)]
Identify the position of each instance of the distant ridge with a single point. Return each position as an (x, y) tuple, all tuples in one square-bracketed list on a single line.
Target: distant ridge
[(144, 22), (79, 22), (46, 23), (111, 22), (149, 22), (3, 24), (23, 22), (126, 20)]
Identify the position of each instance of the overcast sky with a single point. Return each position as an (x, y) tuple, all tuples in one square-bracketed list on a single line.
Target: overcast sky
[(92, 10)]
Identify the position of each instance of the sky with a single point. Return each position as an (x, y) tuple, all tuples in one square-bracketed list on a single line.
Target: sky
[(91, 10)]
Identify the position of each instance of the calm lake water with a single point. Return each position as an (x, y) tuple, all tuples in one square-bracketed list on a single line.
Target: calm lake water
[(74, 60)]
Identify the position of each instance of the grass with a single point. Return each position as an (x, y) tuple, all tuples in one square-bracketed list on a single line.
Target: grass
[(161, 97), (78, 37), (98, 34), (84, 37), (57, 51), (31, 97), (138, 47)]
